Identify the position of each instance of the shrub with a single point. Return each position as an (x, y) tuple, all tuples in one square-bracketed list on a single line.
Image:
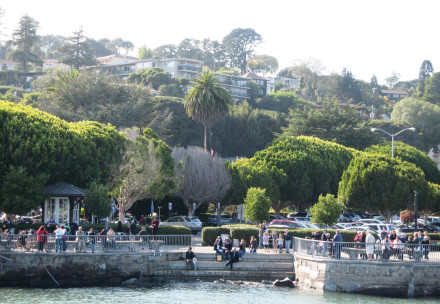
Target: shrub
[(209, 234)]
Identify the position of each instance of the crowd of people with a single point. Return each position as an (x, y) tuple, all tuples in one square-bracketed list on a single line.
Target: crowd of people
[(367, 246), (62, 233)]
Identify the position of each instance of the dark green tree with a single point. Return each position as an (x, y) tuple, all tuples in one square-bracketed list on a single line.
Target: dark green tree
[(25, 39), (432, 89), (97, 200), (348, 88), (425, 72), (77, 51), (240, 45), (189, 48), (207, 103), (257, 205), (165, 51), (154, 76)]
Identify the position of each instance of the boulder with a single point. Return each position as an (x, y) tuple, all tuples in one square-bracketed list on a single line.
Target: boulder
[(130, 281), (284, 283)]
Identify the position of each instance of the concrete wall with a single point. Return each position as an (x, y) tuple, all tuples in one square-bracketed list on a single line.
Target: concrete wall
[(369, 277), (78, 269)]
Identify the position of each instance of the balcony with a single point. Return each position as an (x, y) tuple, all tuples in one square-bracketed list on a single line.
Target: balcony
[(242, 84), (187, 67)]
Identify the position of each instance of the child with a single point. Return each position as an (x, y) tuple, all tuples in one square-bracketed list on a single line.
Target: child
[(280, 242), (266, 241), (274, 240), (195, 262)]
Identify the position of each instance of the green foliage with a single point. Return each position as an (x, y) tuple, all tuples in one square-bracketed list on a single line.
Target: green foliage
[(326, 211), (145, 52), (240, 45), (432, 89), (209, 234), (173, 90), (77, 51), (348, 87), (21, 191), (377, 183), (422, 115), (207, 103), (263, 64), (311, 166), (42, 144), (245, 131), (97, 200), (153, 76), (341, 124), (257, 205), (411, 155), (8, 77), (282, 102)]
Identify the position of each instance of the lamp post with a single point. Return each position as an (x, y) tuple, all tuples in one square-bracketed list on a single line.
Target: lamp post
[(392, 136), (416, 195)]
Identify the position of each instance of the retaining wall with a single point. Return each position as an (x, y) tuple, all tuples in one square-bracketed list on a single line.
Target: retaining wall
[(368, 277)]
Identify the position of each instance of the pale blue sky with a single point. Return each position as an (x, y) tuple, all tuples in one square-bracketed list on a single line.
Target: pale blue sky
[(366, 37)]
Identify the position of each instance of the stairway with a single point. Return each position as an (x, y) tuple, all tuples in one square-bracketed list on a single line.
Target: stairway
[(252, 267)]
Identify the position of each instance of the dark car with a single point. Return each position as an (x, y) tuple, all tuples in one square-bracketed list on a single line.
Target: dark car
[(411, 229)]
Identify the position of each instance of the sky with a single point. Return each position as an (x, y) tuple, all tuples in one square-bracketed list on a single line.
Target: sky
[(366, 37)]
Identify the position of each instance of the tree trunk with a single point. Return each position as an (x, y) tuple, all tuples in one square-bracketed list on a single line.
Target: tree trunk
[(208, 144), (189, 206), (121, 215), (219, 217)]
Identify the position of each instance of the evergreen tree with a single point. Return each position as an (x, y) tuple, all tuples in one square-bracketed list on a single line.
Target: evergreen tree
[(77, 52)]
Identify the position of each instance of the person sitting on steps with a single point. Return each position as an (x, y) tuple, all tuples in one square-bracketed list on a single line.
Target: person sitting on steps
[(234, 258), (189, 255)]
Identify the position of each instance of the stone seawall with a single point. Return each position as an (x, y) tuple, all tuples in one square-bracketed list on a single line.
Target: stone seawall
[(368, 277), (83, 269)]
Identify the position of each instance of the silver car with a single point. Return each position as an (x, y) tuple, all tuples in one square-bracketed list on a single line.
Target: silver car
[(192, 223)]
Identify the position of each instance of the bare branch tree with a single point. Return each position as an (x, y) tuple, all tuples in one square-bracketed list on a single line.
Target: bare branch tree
[(204, 177)]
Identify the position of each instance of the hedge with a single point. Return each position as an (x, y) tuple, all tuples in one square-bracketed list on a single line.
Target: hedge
[(163, 230), (209, 234)]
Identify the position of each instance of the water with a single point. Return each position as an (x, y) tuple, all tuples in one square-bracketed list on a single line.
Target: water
[(194, 293)]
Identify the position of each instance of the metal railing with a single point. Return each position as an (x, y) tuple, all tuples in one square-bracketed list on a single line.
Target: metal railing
[(368, 251), (92, 243)]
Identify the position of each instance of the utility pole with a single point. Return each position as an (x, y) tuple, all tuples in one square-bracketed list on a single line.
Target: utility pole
[(416, 196)]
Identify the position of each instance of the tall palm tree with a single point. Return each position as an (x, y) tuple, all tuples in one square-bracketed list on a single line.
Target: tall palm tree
[(207, 103)]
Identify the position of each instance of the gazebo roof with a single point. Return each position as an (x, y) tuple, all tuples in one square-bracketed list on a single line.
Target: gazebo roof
[(63, 189)]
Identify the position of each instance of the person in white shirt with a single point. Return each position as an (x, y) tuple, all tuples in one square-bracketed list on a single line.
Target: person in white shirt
[(59, 232), (370, 240)]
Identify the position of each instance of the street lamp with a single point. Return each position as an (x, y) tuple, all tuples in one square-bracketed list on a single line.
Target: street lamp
[(392, 136)]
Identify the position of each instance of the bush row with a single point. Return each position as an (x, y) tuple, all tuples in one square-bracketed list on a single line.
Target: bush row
[(163, 230), (209, 234)]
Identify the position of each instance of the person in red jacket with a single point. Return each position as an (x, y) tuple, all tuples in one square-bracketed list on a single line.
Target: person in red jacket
[(155, 224), (41, 238)]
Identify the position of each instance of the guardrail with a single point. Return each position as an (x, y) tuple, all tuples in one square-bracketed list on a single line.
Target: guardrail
[(92, 243), (368, 251)]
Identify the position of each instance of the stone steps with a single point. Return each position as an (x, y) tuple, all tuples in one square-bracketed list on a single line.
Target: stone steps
[(250, 257), (235, 274), (242, 265)]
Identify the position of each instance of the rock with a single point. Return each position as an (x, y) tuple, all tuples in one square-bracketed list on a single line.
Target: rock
[(130, 281), (284, 283), (220, 281), (266, 282)]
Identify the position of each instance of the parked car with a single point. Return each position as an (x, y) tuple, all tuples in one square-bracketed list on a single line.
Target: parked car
[(274, 217), (191, 222), (25, 220), (225, 219), (369, 221), (304, 216), (379, 227), (291, 224), (411, 229), (361, 228), (310, 225)]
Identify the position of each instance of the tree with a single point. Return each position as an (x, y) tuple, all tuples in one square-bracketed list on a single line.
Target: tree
[(348, 87), (432, 89), (21, 191), (412, 155), (257, 205), (393, 79), (147, 171), (207, 103), (311, 167), (240, 46), (425, 72), (97, 200), (213, 54), (189, 48), (263, 64), (422, 115), (341, 124), (165, 51), (204, 178), (25, 39), (373, 83), (282, 102), (127, 46), (100, 47), (407, 217), (77, 52), (154, 76), (326, 211), (145, 52), (377, 183), (49, 45)]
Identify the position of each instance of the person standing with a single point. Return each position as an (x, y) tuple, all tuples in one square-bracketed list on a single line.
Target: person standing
[(80, 240), (253, 245), (287, 240), (324, 240), (260, 236), (41, 238), (369, 248), (384, 233), (266, 241), (133, 226), (92, 239), (155, 224), (337, 239)]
